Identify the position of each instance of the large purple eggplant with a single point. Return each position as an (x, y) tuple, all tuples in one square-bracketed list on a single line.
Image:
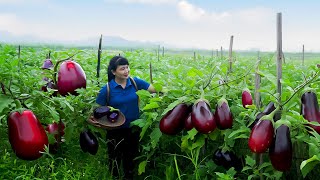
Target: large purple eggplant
[(173, 121), (280, 151), (261, 135), (310, 108), (202, 117), (222, 115)]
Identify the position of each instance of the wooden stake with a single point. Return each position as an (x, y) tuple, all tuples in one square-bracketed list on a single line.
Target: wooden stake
[(19, 55), (162, 51), (150, 67), (230, 53), (303, 54), (279, 60), (221, 53), (158, 52), (257, 97), (99, 57)]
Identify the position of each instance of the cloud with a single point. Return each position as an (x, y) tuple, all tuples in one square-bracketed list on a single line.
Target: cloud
[(152, 2), (192, 13)]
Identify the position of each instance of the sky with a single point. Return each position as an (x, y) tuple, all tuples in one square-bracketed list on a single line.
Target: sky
[(205, 24)]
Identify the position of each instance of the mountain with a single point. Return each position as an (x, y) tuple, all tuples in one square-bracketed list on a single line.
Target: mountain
[(114, 41)]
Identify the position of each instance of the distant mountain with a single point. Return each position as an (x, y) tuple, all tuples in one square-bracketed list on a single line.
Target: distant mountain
[(114, 41)]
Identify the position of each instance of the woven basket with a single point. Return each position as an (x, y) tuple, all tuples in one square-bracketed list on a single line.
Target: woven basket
[(105, 123)]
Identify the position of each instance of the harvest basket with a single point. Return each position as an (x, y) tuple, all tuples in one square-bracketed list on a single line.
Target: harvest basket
[(105, 123)]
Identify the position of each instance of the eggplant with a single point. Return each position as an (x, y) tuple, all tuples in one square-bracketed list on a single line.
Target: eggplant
[(101, 111), (269, 108), (246, 98), (113, 116), (202, 117), (89, 142), (26, 135), (261, 136), (226, 159), (188, 123), (70, 77), (223, 116), (47, 64), (310, 108), (173, 121), (280, 151)]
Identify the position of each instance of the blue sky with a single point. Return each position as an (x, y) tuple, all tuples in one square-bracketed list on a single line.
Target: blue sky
[(204, 24)]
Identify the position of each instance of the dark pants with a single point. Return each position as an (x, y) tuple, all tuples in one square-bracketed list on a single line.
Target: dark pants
[(123, 145)]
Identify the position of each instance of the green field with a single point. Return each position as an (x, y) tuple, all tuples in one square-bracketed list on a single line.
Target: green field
[(181, 77)]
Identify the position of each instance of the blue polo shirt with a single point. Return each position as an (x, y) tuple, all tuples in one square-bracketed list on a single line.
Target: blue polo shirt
[(124, 99)]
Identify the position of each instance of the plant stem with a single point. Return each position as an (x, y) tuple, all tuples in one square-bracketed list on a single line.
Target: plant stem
[(177, 168), (56, 67)]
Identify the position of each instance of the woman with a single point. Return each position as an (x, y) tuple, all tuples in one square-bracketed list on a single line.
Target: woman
[(122, 143)]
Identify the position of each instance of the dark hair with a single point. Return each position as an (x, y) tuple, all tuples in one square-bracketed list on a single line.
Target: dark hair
[(114, 63)]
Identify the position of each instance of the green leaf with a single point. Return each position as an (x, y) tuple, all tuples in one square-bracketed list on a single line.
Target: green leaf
[(142, 167), (307, 165), (5, 102), (231, 172), (239, 132), (155, 136), (173, 104), (52, 111), (251, 162), (313, 149), (152, 105), (214, 134), (138, 122)]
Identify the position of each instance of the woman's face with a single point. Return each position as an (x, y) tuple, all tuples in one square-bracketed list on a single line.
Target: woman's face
[(122, 72)]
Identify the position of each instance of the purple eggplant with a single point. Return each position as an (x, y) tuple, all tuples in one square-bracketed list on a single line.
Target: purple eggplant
[(222, 115), (280, 151), (310, 108), (173, 121), (88, 142), (202, 117), (101, 111)]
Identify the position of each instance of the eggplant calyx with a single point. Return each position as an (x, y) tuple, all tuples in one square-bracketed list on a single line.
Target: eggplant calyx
[(270, 116), (221, 101), (282, 122)]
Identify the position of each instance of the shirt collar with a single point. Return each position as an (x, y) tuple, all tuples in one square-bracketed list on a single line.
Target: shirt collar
[(114, 84)]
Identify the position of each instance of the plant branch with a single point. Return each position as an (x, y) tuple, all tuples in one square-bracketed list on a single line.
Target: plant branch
[(3, 88), (297, 89), (227, 82)]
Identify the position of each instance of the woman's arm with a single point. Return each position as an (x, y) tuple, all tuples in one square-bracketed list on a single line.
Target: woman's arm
[(151, 89)]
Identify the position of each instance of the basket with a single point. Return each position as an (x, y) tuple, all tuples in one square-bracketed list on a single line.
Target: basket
[(105, 123)]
